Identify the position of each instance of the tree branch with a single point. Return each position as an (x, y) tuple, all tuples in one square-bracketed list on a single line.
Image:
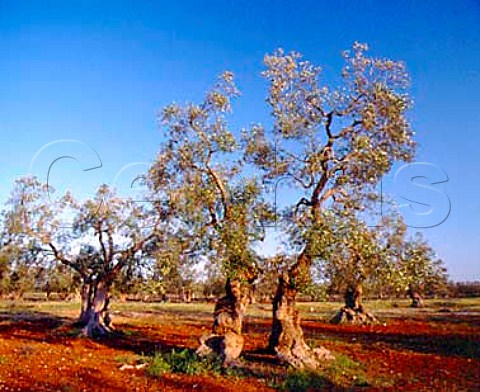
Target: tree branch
[(223, 191), (100, 240), (304, 202), (60, 257), (127, 254)]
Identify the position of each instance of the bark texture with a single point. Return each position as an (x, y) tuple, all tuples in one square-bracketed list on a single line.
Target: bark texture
[(286, 339), (354, 312), (226, 338), (94, 316), (416, 297)]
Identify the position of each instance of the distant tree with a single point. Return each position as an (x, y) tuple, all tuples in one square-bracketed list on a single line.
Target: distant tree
[(19, 262), (4, 273), (105, 233), (212, 281), (334, 145), (59, 279), (5, 260), (420, 270), (174, 267), (129, 281), (349, 254), (21, 281), (271, 268), (464, 289)]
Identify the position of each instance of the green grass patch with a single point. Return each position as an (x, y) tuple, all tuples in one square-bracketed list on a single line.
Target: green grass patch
[(184, 361), (158, 366), (342, 372), (345, 371), (188, 362), (305, 381)]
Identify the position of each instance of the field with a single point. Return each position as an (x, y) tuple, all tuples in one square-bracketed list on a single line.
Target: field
[(436, 348)]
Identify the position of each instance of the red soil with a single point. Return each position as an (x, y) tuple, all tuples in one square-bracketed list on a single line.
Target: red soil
[(37, 353)]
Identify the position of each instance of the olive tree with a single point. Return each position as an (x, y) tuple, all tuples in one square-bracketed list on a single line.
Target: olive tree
[(352, 254), (349, 254), (21, 259), (96, 238), (333, 144), (199, 171), (416, 268)]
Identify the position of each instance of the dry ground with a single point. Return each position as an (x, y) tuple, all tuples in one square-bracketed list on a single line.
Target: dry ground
[(437, 348)]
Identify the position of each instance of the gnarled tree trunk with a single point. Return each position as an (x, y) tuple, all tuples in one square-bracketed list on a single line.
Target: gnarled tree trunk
[(416, 297), (226, 338), (94, 316), (85, 295), (354, 312), (286, 339), (186, 295)]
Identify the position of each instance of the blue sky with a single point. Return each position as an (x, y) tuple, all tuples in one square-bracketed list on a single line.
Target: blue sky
[(98, 71)]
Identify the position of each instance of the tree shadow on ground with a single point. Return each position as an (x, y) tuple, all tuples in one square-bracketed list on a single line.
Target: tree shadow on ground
[(445, 344), (453, 317), (31, 321), (140, 343), (183, 314)]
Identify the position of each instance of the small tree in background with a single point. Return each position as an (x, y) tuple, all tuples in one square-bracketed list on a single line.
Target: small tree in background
[(171, 272), (4, 273), (20, 261), (349, 254), (420, 270), (412, 265), (212, 280), (59, 279)]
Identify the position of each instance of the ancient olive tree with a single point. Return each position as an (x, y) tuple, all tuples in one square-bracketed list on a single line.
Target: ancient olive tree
[(352, 255), (20, 257), (422, 270), (349, 254), (333, 145), (415, 266), (199, 171), (96, 238)]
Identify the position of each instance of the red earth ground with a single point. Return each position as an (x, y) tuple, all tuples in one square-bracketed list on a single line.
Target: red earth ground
[(41, 352)]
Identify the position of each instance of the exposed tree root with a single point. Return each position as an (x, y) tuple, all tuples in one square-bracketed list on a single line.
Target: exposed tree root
[(355, 316), (95, 316), (97, 325), (353, 312)]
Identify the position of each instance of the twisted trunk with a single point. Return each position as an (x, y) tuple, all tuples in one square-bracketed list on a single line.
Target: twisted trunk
[(186, 295), (85, 295), (94, 315), (286, 338), (226, 338), (354, 312), (416, 297)]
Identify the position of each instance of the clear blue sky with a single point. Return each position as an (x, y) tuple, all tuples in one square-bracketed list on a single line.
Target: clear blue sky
[(98, 71)]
